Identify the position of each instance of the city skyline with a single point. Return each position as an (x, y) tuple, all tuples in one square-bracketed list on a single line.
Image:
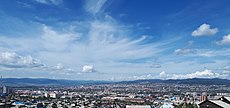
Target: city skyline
[(114, 39)]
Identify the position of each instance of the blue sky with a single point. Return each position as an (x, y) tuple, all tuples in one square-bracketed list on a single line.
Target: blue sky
[(115, 39)]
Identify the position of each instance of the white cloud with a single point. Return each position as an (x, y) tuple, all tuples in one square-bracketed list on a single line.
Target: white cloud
[(88, 68), (198, 74), (204, 30), (61, 69), (225, 40), (53, 2), (207, 73), (59, 66), (135, 77), (94, 6), (13, 60), (162, 74)]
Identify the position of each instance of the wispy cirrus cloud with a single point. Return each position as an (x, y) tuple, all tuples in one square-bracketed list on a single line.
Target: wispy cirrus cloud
[(53, 40), (202, 52), (94, 6), (48, 2), (184, 51), (102, 43)]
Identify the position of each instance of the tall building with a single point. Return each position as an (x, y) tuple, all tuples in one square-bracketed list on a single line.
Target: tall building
[(3, 88)]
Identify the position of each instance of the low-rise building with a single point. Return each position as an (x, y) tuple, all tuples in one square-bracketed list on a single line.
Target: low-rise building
[(220, 103)]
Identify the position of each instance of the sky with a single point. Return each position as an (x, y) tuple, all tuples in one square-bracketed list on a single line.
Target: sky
[(115, 40)]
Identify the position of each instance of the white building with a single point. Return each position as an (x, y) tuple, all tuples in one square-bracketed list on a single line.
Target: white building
[(53, 95), (138, 106), (167, 105)]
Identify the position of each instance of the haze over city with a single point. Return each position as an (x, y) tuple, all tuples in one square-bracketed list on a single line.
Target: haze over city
[(114, 39)]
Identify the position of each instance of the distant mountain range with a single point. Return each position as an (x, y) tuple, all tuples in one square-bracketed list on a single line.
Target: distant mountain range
[(202, 81), (48, 82), (58, 82)]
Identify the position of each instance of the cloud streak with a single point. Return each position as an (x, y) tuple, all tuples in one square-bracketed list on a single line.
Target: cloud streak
[(184, 51), (94, 6), (48, 2)]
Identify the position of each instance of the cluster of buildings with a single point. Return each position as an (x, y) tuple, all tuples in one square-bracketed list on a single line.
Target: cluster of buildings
[(118, 96)]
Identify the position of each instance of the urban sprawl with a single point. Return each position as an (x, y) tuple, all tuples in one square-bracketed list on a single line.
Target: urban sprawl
[(141, 95)]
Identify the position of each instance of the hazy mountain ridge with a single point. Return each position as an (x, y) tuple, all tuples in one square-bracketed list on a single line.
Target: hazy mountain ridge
[(47, 82), (202, 81), (62, 82)]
